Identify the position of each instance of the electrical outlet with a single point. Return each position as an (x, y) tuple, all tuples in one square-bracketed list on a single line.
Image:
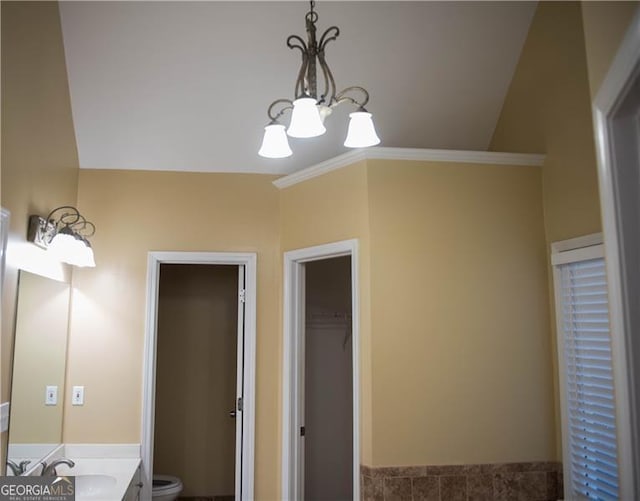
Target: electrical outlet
[(51, 395), (77, 395)]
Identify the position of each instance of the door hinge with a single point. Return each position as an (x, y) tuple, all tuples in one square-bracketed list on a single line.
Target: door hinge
[(239, 405), (242, 295), (302, 431)]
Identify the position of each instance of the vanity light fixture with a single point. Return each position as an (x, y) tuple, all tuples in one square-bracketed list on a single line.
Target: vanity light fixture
[(64, 233), (308, 109)]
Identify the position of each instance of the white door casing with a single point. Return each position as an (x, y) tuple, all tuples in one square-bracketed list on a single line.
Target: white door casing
[(244, 450), (293, 363), (238, 409), (616, 112)]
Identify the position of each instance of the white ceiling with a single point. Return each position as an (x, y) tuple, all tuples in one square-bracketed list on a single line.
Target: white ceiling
[(186, 85)]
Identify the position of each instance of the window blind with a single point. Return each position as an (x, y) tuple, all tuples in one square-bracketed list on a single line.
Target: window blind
[(588, 376)]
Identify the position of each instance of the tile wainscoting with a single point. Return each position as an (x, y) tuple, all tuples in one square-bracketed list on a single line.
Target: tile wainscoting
[(533, 481)]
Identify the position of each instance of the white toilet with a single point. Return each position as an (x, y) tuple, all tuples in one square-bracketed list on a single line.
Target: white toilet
[(166, 488)]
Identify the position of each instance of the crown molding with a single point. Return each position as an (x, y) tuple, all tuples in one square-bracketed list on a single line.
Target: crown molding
[(417, 154), (334, 163)]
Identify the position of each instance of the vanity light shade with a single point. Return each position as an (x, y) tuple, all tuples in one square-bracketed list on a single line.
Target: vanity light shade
[(72, 249), (305, 119), (275, 143), (362, 132), (76, 255), (84, 257), (63, 245), (88, 260)]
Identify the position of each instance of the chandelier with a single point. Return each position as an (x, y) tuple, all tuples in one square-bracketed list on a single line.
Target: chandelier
[(309, 109)]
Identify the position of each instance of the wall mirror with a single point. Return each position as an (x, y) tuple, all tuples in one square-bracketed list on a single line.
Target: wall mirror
[(39, 361)]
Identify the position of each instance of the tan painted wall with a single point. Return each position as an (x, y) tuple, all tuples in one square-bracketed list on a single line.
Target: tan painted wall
[(136, 212), (460, 323), (547, 109), (605, 24), (39, 157), (487, 220), (195, 438), (332, 208)]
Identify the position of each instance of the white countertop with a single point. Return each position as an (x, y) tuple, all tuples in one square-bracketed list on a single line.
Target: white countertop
[(119, 461), (122, 469)]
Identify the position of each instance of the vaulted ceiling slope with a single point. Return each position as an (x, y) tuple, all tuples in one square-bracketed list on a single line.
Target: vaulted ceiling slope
[(186, 85)]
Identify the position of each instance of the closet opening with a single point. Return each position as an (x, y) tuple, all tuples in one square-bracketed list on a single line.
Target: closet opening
[(328, 380), (321, 376)]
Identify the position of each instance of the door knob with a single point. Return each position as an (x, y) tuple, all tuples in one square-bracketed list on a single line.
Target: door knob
[(232, 414)]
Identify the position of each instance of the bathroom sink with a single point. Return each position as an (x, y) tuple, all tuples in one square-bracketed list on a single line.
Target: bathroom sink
[(94, 486)]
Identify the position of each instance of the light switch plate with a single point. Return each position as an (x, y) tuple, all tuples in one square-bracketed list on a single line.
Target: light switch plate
[(77, 395), (51, 396)]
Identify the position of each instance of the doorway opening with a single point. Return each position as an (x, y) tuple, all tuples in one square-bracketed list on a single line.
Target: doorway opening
[(321, 456), (196, 377), (328, 380), (198, 418)]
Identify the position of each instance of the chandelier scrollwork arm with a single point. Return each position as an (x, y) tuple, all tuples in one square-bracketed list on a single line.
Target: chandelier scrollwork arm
[(296, 42), (341, 97), (274, 116), (301, 45), (329, 35), (329, 82)]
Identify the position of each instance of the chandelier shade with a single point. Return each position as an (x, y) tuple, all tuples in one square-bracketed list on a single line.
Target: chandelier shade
[(305, 119), (311, 105), (362, 132), (274, 143)]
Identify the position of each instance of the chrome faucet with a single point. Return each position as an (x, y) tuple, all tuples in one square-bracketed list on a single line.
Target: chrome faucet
[(18, 469), (49, 470)]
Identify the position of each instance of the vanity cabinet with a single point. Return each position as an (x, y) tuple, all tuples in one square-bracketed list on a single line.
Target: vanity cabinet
[(135, 487)]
